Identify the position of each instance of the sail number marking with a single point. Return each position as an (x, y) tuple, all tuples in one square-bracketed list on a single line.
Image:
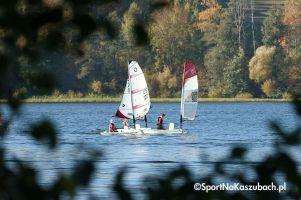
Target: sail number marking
[(194, 96), (145, 93)]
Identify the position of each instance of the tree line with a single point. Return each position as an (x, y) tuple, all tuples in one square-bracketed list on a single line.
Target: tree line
[(236, 55), (32, 29)]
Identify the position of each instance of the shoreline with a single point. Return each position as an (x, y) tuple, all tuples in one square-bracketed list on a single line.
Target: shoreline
[(153, 100)]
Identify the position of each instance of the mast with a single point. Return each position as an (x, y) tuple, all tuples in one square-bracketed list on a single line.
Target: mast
[(134, 121), (253, 34), (181, 118)]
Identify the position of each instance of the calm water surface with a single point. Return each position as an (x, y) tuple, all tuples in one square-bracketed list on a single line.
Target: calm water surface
[(218, 127)]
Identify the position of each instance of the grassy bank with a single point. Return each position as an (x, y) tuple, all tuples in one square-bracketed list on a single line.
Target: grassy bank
[(161, 100)]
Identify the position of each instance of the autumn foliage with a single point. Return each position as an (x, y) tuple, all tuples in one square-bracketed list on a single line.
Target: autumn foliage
[(292, 12), (261, 64), (207, 17)]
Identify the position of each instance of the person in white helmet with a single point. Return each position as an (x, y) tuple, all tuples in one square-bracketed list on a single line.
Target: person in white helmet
[(112, 127)]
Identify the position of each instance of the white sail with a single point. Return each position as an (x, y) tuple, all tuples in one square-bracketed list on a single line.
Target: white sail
[(189, 98), (125, 108), (139, 91)]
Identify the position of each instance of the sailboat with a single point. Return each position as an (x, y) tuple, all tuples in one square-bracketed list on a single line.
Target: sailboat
[(136, 102), (189, 100)]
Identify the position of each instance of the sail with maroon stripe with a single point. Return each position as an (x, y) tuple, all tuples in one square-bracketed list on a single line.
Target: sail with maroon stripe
[(139, 91), (189, 98), (125, 108)]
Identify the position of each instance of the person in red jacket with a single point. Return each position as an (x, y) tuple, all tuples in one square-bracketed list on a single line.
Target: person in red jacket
[(160, 121), (112, 127), (125, 123)]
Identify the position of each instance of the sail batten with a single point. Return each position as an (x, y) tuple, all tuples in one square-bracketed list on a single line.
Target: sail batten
[(189, 98)]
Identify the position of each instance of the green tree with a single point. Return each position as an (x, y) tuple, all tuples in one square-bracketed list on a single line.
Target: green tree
[(130, 20), (236, 74), (293, 62), (105, 59), (273, 28), (223, 42), (174, 40), (241, 14), (239, 11), (127, 48)]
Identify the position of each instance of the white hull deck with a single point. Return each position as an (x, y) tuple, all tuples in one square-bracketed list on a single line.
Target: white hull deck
[(141, 131)]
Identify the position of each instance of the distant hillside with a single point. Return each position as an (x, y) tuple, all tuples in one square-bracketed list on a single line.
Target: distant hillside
[(261, 7)]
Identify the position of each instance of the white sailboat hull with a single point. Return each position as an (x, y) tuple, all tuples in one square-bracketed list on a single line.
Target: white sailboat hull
[(142, 131)]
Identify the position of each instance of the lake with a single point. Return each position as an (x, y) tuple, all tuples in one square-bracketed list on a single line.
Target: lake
[(217, 128)]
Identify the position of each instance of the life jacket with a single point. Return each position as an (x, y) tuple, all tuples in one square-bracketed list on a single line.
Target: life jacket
[(112, 127), (160, 121), (125, 123)]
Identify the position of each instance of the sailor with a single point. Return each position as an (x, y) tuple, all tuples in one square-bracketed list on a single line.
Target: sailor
[(125, 123), (160, 121), (112, 126)]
